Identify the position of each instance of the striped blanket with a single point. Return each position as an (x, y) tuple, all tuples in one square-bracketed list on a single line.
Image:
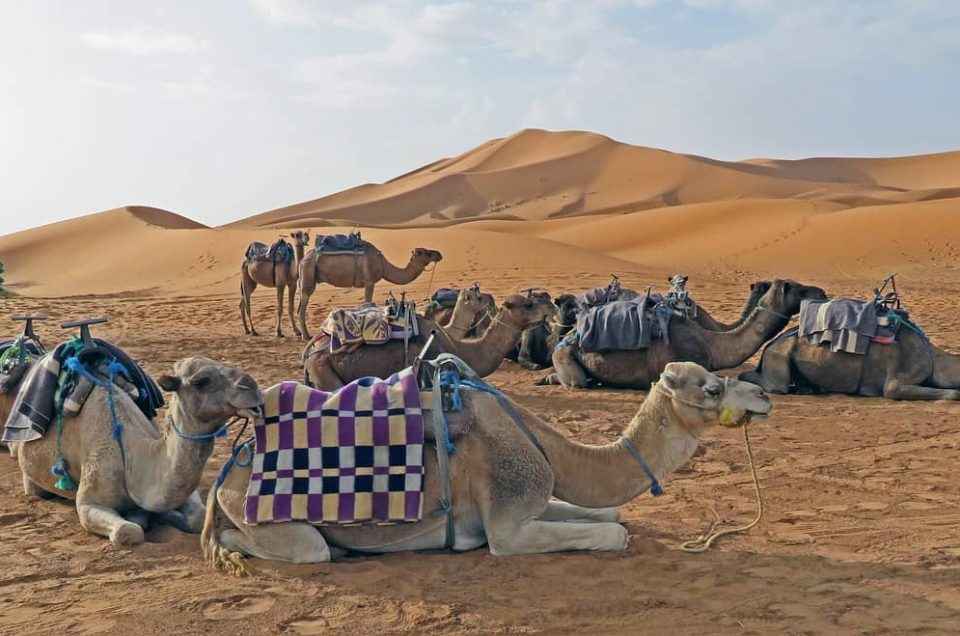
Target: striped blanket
[(848, 325), (372, 325), (348, 457)]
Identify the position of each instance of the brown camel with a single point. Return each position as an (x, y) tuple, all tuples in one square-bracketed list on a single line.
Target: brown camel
[(705, 320), (687, 341), (357, 270), (327, 371), (501, 484), (269, 273), (148, 470), (911, 368)]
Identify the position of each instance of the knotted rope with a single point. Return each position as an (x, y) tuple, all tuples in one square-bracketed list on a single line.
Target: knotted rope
[(705, 541)]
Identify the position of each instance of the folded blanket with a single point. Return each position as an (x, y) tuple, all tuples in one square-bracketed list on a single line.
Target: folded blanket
[(624, 325), (35, 407), (848, 325), (347, 457)]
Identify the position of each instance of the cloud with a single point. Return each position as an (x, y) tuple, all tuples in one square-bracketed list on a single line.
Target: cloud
[(145, 41)]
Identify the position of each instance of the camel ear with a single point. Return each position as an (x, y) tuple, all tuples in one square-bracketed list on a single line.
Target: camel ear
[(669, 379), (508, 304), (169, 383)]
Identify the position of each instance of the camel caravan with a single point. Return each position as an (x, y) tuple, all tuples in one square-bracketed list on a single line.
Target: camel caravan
[(395, 441)]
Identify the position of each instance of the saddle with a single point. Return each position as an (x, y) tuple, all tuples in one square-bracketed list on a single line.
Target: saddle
[(279, 252), (678, 298), (445, 297), (16, 356), (345, 327), (626, 325), (330, 244)]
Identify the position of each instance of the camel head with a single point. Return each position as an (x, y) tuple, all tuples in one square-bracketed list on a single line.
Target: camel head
[(475, 300), (784, 296), (701, 399), (210, 392), (422, 256), (301, 238), (521, 312), (568, 305)]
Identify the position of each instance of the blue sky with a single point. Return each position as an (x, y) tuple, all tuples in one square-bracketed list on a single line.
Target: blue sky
[(223, 108)]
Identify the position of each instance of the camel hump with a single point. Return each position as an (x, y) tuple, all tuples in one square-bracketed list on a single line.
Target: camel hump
[(340, 244), (280, 251)]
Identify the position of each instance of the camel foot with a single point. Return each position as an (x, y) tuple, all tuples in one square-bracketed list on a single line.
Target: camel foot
[(127, 534), (280, 334), (254, 332)]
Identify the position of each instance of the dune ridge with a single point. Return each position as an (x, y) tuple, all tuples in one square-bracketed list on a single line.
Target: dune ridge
[(539, 201)]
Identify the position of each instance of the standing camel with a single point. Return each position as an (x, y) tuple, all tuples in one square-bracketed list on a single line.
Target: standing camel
[(501, 483), (362, 269), (271, 273)]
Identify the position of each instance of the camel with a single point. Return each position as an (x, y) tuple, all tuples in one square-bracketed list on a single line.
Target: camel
[(911, 368), (148, 470), (328, 371), (502, 484), (444, 316), (537, 344), (687, 341), (281, 275), (357, 270)]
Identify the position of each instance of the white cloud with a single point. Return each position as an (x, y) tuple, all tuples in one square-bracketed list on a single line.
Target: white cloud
[(145, 41)]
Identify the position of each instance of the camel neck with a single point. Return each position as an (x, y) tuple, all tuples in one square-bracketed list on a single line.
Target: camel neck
[(732, 348), (461, 320), (168, 467), (610, 475), (484, 354), (401, 275)]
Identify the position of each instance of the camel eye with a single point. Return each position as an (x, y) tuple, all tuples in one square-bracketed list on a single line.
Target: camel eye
[(712, 391), (200, 382)]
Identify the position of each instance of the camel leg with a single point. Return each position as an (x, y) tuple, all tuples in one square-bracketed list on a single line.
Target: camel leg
[(568, 369), (550, 380), (894, 390), (31, 489), (280, 289), (320, 375), (538, 537), (562, 511), (247, 287), (107, 523), (292, 291), (138, 516), (302, 311), (188, 517), (368, 292), (774, 373)]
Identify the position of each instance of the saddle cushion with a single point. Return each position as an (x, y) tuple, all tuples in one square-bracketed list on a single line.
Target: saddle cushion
[(445, 297), (847, 325), (280, 252), (341, 244), (624, 325), (348, 457), (372, 325)]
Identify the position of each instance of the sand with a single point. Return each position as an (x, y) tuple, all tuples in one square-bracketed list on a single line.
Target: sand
[(860, 530)]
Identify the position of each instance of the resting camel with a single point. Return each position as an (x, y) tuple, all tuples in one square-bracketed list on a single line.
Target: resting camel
[(357, 270), (327, 371), (156, 471), (688, 341), (443, 316), (502, 484), (911, 368), (281, 275)]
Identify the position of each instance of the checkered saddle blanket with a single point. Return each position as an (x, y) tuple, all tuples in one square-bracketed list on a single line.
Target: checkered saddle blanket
[(348, 457), (372, 325)]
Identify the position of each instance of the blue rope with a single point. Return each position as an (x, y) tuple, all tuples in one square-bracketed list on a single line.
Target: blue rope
[(568, 340), (655, 489), (450, 378), (245, 446), (113, 368), (220, 432)]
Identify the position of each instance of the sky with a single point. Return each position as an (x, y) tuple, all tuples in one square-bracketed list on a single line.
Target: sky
[(221, 109)]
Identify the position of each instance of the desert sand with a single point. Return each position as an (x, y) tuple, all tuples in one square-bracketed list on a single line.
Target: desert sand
[(860, 534)]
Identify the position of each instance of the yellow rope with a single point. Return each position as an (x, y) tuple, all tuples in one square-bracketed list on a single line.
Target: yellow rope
[(703, 542)]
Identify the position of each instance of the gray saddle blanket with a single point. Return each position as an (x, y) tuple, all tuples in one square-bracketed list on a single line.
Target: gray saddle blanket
[(599, 296), (279, 252), (846, 324), (624, 325), (341, 244), (36, 405), (445, 297)]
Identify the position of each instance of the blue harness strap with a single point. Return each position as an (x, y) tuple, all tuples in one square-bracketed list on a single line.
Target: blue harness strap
[(655, 489)]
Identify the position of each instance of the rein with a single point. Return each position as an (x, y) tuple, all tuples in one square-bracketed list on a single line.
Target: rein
[(772, 312), (220, 432), (705, 541)]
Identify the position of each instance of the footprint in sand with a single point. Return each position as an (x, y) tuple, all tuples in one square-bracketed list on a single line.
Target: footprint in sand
[(238, 608)]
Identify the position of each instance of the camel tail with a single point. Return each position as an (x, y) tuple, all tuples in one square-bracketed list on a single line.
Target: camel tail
[(220, 557)]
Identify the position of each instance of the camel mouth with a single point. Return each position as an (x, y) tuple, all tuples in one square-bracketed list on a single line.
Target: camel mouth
[(754, 417), (251, 413)]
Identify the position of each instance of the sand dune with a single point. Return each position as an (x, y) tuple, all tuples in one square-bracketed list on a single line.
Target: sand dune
[(538, 202)]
